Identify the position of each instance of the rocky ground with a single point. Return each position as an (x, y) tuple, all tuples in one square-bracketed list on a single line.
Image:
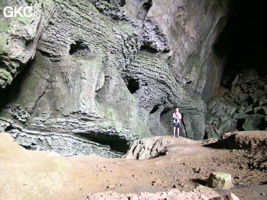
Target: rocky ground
[(240, 105), (180, 171)]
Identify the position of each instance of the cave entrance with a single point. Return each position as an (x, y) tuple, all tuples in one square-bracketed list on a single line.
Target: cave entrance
[(242, 43), (115, 142)]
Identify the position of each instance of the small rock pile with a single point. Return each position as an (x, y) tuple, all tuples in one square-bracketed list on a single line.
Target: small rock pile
[(242, 108)]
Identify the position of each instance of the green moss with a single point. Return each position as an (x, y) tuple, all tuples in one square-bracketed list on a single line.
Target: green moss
[(132, 114), (118, 126), (110, 114), (31, 84), (141, 130), (93, 62), (24, 20), (3, 49), (46, 2), (123, 9), (83, 101), (5, 75), (114, 121), (4, 26), (106, 3), (126, 28)]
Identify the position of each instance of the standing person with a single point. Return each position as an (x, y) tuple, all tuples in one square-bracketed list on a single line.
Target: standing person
[(177, 118)]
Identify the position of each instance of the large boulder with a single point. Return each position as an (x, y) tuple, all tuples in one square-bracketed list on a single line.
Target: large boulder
[(253, 122), (220, 180), (148, 148)]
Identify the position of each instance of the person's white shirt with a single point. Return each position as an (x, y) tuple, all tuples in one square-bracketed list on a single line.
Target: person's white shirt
[(178, 116)]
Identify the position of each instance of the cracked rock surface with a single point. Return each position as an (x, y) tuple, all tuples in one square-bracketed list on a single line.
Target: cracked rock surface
[(104, 70)]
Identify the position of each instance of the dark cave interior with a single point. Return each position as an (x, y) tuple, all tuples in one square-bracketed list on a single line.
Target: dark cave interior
[(133, 85), (115, 142), (78, 46), (242, 43)]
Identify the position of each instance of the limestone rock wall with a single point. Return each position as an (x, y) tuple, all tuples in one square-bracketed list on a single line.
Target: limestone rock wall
[(115, 67), (191, 28), (64, 144), (19, 37)]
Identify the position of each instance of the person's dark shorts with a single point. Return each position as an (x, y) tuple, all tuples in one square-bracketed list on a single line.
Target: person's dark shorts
[(176, 125)]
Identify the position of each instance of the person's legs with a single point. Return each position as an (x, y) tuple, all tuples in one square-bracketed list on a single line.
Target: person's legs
[(174, 130), (178, 131)]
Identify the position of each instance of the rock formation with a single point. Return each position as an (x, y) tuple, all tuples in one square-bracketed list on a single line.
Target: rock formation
[(109, 71), (242, 107), (148, 148), (19, 36), (220, 180)]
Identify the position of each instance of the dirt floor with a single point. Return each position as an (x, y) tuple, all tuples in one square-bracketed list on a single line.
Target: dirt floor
[(38, 175)]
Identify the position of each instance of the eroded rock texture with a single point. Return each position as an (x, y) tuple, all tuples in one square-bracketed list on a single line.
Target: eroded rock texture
[(19, 37), (148, 148), (111, 68)]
